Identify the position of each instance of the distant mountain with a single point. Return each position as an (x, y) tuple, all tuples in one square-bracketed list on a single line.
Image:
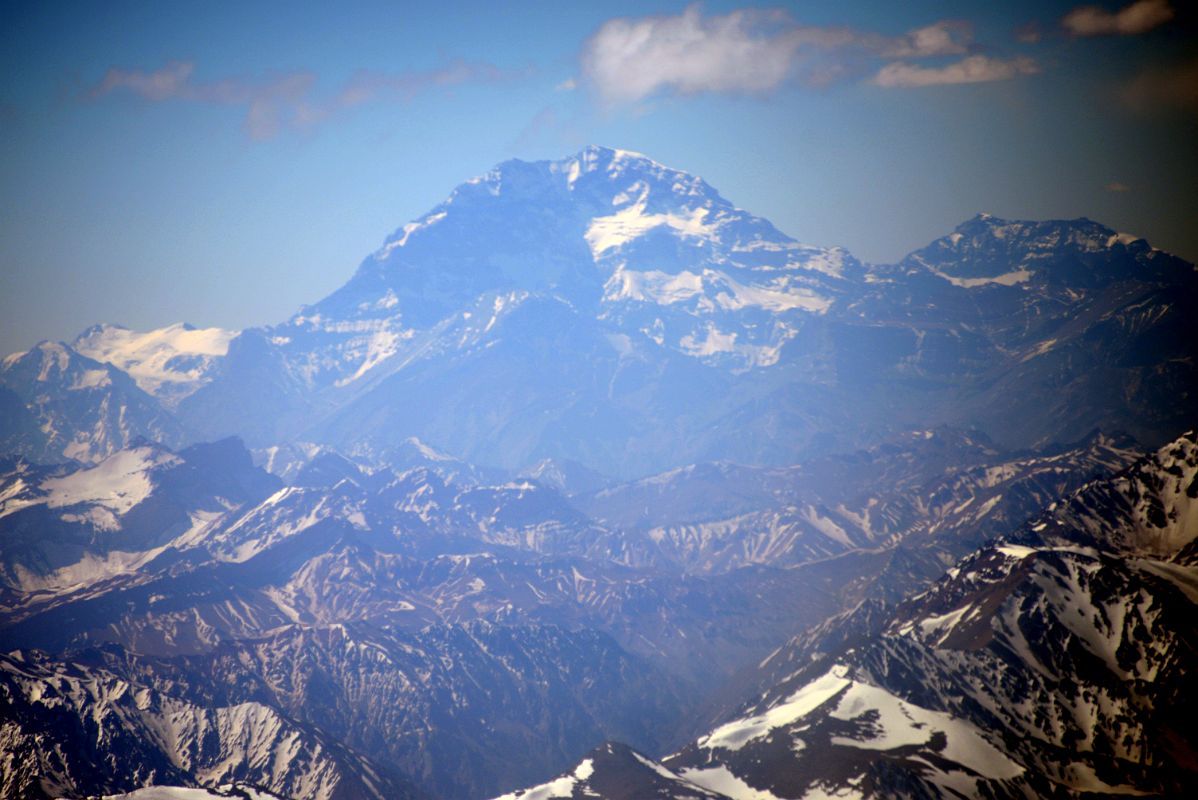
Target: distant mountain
[(169, 363), (568, 477), (83, 409), (611, 312), (940, 493)]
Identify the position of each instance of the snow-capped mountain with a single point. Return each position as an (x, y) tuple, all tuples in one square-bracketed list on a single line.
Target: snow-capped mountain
[(61, 405), (609, 311), (1057, 667), (66, 529), (581, 230), (169, 363), (687, 317)]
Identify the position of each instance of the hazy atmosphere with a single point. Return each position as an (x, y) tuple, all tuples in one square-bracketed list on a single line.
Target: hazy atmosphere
[(222, 164)]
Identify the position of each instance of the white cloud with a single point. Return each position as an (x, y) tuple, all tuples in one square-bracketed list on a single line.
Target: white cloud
[(944, 38), (744, 51), (973, 69), (1139, 17), (288, 100), (750, 51)]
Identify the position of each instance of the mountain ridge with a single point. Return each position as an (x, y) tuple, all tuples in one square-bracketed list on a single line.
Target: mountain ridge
[(1051, 661), (697, 332)]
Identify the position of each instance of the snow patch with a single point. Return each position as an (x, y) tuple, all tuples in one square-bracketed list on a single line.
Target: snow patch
[(628, 224), (173, 361), (562, 787), (1015, 550), (736, 734), (117, 483), (1006, 279), (900, 724), (407, 230), (717, 290), (721, 781)]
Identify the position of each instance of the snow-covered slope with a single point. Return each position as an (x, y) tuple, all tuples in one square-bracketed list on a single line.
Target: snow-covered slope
[(614, 771), (66, 529), (1149, 511), (168, 363)]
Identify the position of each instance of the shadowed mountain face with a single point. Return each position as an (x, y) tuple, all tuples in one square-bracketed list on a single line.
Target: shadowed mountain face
[(588, 466)]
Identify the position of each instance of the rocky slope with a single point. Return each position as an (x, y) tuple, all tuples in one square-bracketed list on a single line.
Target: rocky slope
[(1052, 662)]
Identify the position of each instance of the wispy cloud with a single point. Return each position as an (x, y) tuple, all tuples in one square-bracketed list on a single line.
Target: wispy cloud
[(944, 38), (1139, 17), (1118, 187), (170, 81), (973, 69), (288, 100), (754, 51)]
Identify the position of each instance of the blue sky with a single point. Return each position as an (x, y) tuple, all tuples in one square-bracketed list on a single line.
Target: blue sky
[(223, 164)]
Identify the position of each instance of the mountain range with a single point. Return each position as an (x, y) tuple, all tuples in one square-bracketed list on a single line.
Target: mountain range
[(589, 473), (1053, 661), (610, 311)]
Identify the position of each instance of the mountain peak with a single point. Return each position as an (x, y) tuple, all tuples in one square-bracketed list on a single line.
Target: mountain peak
[(986, 249), (1079, 232), (593, 157), (604, 163), (603, 151)]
